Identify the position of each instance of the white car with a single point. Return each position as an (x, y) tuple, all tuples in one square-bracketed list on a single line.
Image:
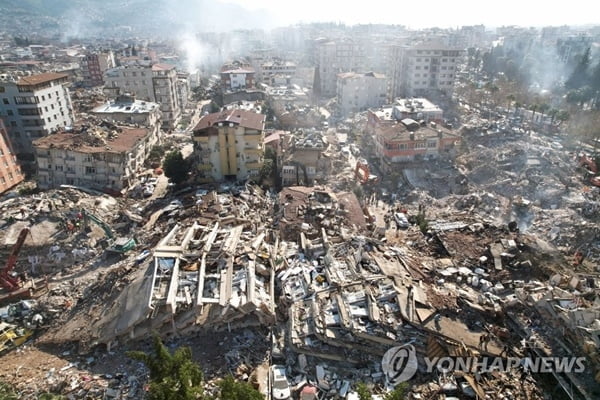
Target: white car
[(280, 385), (148, 190), (401, 220)]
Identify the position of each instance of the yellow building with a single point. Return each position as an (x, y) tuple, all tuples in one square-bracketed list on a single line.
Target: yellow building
[(229, 145)]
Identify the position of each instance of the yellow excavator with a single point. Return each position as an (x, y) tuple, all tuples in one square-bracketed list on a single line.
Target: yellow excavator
[(12, 336)]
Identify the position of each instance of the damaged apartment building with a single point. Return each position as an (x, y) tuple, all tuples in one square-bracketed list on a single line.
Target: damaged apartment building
[(304, 159), (34, 106), (129, 110), (94, 154), (409, 140), (229, 145)]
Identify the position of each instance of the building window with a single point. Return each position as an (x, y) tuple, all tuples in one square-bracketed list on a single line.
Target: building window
[(432, 144), (90, 170), (5, 101)]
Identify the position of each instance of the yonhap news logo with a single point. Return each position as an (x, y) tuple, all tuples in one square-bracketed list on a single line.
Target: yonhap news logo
[(400, 364)]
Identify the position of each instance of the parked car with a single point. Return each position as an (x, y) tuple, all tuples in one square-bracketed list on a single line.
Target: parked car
[(401, 220), (17, 310), (148, 190), (279, 383)]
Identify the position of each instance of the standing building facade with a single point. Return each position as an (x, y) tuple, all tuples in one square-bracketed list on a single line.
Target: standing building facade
[(429, 67), (332, 58), (229, 145), (126, 109), (357, 92), (10, 171), (34, 106), (93, 66), (156, 83), (100, 157)]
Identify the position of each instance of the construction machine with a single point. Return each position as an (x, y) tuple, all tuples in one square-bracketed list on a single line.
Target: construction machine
[(591, 166), (12, 336), (14, 289), (115, 245), (363, 174), (588, 163)]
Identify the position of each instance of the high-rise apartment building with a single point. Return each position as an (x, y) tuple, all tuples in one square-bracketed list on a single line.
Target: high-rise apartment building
[(156, 83), (10, 171), (34, 106)]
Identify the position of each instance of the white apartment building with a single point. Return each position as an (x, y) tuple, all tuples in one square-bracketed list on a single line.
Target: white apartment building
[(429, 67), (156, 83), (417, 109), (271, 70), (34, 106), (357, 92), (332, 58), (126, 109)]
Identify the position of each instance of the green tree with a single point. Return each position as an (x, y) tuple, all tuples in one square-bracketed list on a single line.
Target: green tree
[(176, 167), (510, 98), (399, 392), (155, 154), (595, 85), (230, 389), (552, 113), (542, 108), (267, 169), (172, 376), (7, 392), (563, 116), (363, 391), (51, 396), (579, 77), (533, 108)]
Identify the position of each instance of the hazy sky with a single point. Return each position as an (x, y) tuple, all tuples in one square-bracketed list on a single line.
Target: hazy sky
[(429, 13)]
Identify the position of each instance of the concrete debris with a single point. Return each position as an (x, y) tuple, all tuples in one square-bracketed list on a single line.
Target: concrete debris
[(498, 257)]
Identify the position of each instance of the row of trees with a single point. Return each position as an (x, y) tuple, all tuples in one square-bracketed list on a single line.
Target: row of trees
[(399, 392), (584, 82), (175, 376)]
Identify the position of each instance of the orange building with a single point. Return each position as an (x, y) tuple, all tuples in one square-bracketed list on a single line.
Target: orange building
[(10, 171), (408, 140)]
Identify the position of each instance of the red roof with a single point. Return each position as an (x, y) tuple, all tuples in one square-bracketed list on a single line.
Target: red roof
[(246, 119), (162, 67), (41, 78)]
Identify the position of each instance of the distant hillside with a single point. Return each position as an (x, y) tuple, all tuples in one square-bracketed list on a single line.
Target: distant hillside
[(84, 18)]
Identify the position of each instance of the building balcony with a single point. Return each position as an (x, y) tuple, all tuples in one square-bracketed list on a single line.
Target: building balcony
[(253, 150), (257, 137), (254, 164), (201, 138), (204, 167)]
